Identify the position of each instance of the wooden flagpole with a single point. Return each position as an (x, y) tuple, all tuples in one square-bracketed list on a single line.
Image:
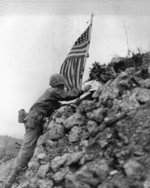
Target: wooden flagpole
[(87, 52)]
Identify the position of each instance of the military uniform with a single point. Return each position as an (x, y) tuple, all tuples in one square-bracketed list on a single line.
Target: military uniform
[(43, 107)]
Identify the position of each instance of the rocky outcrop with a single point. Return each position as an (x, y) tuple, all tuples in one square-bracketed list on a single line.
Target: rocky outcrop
[(104, 142)]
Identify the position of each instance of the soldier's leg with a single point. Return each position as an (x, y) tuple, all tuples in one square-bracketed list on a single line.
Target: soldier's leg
[(26, 152)]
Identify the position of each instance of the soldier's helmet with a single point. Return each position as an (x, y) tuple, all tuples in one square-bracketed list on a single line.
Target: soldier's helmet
[(56, 79)]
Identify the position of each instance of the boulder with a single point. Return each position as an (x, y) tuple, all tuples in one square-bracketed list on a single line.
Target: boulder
[(91, 126), (45, 183), (146, 82), (59, 161), (97, 115), (43, 170), (142, 95), (74, 158), (59, 176), (82, 177), (56, 131), (132, 167), (75, 120), (99, 168), (75, 134), (86, 106)]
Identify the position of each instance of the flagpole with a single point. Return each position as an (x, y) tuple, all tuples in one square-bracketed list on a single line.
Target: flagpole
[(87, 53), (91, 22), (126, 33)]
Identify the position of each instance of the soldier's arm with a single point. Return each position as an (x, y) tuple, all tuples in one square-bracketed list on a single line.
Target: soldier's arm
[(63, 95)]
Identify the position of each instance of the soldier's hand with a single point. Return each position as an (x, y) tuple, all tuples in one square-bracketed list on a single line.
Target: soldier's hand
[(87, 88)]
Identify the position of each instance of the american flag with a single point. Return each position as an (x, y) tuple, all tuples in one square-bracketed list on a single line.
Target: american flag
[(73, 66)]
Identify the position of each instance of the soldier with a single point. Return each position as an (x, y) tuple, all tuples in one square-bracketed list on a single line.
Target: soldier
[(43, 107)]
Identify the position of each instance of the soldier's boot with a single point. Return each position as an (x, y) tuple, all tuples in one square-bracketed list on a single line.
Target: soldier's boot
[(12, 178)]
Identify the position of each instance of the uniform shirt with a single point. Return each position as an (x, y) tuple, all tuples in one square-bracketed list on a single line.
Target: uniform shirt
[(49, 101)]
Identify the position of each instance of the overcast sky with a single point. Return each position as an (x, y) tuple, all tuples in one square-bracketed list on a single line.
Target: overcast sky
[(36, 36)]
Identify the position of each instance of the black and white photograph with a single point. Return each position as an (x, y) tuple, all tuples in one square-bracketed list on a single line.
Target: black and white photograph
[(74, 94)]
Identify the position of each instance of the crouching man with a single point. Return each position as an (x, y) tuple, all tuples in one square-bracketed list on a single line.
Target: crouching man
[(43, 107)]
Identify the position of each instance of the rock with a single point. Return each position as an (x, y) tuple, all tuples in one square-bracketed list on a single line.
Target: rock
[(43, 170), (71, 182), (86, 176), (131, 167), (81, 179), (113, 172), (74, 120), (40, 140), (74, 134), (74, 157), (85, 134), (50, 144), (97, 115), (58, 161), (59, 176), (24, 184), (123, 81), (103, 143), (130, 71), (146, 82), (146, 58), (124, 85), (109, 92), (138, 184), (42, 156), (84, 143), (100, 89), (127, 103), (39, 149), (97, 93), (45, 183), (60, 120), (34, 165), (142, 94), (91, 126), (86, 106), (62, 112), (56, 132), (93, 148), (100, 168), (104, 185), (92, 151)]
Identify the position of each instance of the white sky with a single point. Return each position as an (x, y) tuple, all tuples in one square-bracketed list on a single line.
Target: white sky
[(36, 36)]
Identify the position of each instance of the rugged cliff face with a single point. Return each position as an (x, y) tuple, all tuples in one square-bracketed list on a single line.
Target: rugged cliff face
[(104, 142)]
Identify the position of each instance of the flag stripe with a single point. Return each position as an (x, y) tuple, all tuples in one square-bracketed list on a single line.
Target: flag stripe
[(72, 73), (81, 72), (76, 54), (78, 51), (64, 70), (68, 77), (80, 45), (75, 70), (68, 74), (78, 72)]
